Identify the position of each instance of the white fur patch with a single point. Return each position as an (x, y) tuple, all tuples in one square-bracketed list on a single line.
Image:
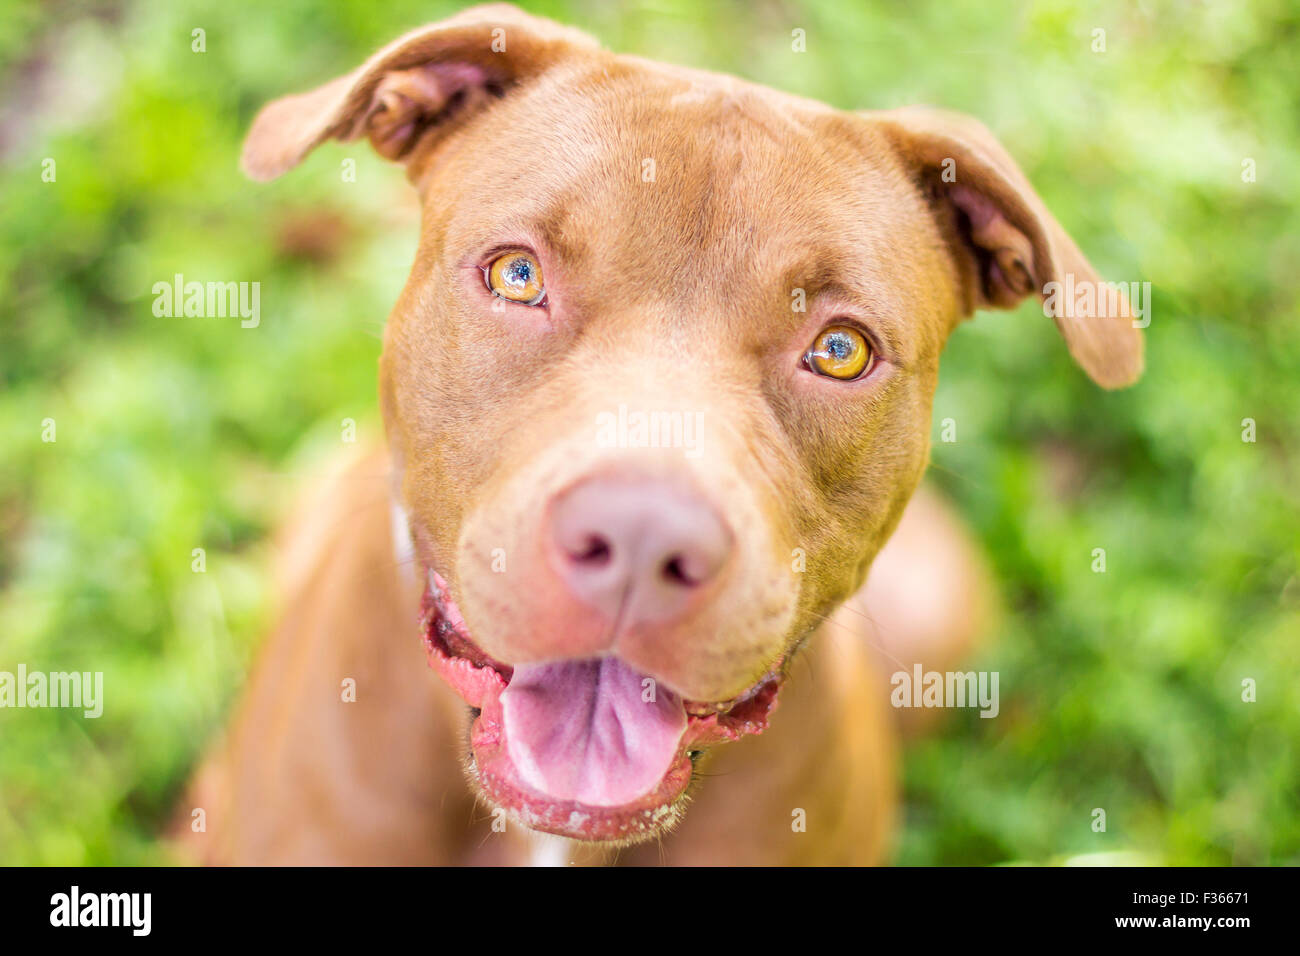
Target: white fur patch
[(403, 547), (545, 849)]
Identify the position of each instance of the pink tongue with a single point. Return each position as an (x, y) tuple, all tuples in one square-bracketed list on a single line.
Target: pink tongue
[(584, 730)]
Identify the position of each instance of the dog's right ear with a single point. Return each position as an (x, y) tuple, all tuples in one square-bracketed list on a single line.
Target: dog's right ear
[(417, 86), (1005, 244)]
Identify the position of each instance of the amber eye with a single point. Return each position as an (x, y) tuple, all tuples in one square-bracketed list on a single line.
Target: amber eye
[(840, 351), (516, 276)]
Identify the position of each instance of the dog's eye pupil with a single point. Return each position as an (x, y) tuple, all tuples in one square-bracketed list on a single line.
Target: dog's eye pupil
[(839, 345), (516, 276), (519, 272)]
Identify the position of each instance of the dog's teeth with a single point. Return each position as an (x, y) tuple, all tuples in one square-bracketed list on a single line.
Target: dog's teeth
[(439, 595)]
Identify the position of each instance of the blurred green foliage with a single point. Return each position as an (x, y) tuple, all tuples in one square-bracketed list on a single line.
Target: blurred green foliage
[(1120, 690)]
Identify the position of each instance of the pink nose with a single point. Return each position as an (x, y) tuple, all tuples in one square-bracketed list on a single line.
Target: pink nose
[(637, 550)]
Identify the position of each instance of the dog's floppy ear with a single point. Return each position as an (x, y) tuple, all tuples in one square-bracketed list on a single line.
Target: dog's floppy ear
[(429, 77), (1005, 243)]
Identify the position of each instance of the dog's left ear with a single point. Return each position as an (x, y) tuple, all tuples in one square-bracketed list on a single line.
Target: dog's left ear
[(1005, 244), (418, 86)]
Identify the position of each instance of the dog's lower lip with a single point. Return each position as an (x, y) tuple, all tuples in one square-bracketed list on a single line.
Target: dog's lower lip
[(480, 681)]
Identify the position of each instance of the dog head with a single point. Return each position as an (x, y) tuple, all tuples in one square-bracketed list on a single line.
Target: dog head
[(659, 384)]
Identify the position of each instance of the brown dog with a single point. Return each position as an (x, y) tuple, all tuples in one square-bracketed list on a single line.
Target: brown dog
[(657, 391)]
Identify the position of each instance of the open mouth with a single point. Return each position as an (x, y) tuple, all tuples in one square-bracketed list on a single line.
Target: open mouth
[(588, 749)]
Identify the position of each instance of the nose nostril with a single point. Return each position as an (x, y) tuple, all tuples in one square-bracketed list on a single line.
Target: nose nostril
[(675, 572), (595, 552)]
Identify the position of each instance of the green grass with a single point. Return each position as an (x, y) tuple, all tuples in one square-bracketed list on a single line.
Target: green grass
[(1120, 691)]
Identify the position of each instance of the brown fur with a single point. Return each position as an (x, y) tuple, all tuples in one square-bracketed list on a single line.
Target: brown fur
[(672, 294)]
